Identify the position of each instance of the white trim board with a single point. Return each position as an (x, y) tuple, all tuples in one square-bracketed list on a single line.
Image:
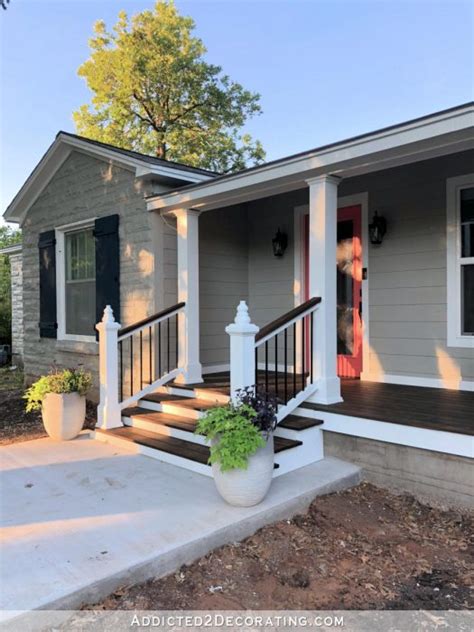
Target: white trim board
[(60, 233), (412, 380), (411, 436), (438, 134), (61, 148), (453, 261)]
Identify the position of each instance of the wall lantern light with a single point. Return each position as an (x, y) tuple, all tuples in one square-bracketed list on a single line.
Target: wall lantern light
[(377, 229), (279, 243)]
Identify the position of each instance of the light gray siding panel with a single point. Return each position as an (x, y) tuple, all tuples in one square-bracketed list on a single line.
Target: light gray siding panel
[(407, 273), (223, 271), (271, 279)]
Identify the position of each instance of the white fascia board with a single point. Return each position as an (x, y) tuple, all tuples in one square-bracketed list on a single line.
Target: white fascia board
[(60, 150), (37, 181), (11, 250), (428, 133)]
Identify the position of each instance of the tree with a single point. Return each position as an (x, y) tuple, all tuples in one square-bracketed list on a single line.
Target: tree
[(8, 237), (154, 92)]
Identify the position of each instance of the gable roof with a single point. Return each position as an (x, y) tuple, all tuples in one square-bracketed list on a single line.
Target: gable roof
[(164, 171)]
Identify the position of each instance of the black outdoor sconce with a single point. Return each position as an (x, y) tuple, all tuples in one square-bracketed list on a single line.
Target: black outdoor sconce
[(377, 229), (279, 243)]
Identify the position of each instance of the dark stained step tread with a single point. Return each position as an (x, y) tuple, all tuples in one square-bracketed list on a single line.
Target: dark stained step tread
[(280, 444), (163, 419), (294, 422), (171, 445), (183, 402)]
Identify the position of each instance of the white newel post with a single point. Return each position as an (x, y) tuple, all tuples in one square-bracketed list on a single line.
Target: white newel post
[(109, 414), (188, 291), (323, 283), (242, 334)]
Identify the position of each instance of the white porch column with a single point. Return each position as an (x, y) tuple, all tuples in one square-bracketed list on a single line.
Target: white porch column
[(109, 414), (323, 283), (188, 291), (242, 334)]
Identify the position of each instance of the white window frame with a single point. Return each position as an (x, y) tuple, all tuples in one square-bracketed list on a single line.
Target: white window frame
[(61, 232), (453, 236)]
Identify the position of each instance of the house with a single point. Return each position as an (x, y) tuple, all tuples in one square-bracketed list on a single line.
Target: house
[(352, 266)]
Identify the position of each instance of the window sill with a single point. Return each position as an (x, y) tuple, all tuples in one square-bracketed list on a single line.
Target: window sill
[(461, 342), (74, 346)]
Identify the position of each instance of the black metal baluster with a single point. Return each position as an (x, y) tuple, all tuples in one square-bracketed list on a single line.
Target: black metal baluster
[(294, 359), (256, 370), (276, 367), (311, 347), (285, 340), (150, 356), (303, 353), (168, 345), (141, 359), (266, 370), (159, 350), (131, 365), (121, 371), (176, 324)]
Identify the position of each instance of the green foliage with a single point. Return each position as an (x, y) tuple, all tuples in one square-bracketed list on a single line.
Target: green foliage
[(8, 237), (65, 381), (154, 92), (233, 434)]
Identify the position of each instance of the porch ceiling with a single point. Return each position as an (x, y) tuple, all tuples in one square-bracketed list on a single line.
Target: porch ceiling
[(440, 134)]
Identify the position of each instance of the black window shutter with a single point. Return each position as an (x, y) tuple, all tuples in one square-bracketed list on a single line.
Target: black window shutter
[(47, 273), (107, 265)]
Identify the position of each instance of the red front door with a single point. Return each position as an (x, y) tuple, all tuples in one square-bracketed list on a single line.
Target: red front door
[(349, 286)]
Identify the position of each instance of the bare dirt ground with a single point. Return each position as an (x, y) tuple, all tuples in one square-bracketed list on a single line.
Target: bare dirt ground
[(16, 424), (363, 548)]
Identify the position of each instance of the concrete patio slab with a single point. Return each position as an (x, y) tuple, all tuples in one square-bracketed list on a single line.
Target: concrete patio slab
[(81, 517)]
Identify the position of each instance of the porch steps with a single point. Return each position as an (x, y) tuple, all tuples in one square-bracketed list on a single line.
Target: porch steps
[(162, 425)]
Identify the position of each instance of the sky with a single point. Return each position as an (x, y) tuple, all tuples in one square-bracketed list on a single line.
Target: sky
[(326, 70)]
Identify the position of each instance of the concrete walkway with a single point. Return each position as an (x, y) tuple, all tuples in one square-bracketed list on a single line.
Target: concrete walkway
[(81, 517)]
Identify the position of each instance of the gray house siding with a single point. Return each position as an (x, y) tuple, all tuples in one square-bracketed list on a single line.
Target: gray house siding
[(407, 274), (82, 189)]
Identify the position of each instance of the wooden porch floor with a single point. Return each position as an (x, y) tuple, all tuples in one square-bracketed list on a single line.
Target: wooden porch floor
[(421, 407)]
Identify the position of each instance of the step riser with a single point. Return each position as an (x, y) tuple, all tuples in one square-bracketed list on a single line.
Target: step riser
[(153, 453), (207, 394), (311, 451), (161, 429), (170, 409)]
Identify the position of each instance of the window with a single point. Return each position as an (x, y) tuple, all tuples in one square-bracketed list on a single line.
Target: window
[(77, 283), (460, 264)]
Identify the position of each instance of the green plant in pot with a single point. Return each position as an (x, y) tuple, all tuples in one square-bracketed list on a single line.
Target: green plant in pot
[(61, 397), (241, 451)]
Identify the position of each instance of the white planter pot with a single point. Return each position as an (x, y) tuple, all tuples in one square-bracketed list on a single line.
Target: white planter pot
[(245, 488), (63, 415)]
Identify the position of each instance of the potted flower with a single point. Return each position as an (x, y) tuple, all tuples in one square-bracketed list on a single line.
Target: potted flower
[(61, 398), (241, 454)]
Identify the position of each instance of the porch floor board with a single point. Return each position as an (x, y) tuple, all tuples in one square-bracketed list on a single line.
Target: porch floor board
[(419, 406)]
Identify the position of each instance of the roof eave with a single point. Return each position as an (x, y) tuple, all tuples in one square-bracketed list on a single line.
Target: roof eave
[(59, 151), (414, 136)]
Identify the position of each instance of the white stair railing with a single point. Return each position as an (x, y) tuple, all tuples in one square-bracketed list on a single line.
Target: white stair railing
[(277, 359), (135, 360)]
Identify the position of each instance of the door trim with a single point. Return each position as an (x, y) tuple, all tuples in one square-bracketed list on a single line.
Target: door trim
[(362, 200)]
